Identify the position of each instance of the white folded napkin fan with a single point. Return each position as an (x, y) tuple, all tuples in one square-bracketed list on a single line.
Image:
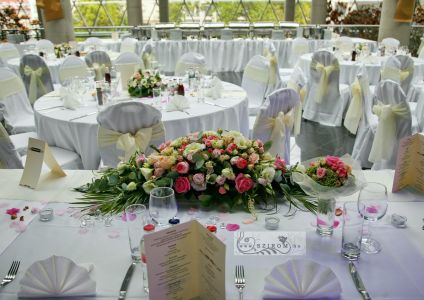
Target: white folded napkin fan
[(56, 276), (215, 91), (178, 103), (70, 101)]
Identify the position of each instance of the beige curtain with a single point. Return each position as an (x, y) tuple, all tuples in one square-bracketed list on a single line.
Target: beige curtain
[(404, 11), (52, 9)]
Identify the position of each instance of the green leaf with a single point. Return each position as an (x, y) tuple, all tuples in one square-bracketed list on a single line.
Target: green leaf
[(205, 199), (124, 186), (200, 163), (163, 182), (113, 180), (267, 145), (172, 174), (199, 136)]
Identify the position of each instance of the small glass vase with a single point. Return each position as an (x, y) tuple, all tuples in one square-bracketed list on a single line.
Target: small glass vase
[(325, 216)]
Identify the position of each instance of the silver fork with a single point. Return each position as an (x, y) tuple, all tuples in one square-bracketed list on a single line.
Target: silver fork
[(239, 280), (11, 274)]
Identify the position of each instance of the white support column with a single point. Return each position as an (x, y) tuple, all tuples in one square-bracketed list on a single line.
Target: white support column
[(135, 12), (60, 31), (318, 11), (289, 10), (390, 28)]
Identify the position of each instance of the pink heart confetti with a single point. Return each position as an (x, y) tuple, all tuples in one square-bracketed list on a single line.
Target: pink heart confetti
[(248, 221), (83, 231), (113, 234), (232, 227), (2, 205), (70, 210), (13, 211), (21, 227), (372, 209), (60, 212), (34, 210)]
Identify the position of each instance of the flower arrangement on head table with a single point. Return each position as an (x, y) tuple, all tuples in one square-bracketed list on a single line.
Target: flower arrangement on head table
[(217, 168), (142, 83), (329, 171)]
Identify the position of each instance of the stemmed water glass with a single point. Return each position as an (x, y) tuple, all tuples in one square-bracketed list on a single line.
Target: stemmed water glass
[(162, 205), (372, 205)]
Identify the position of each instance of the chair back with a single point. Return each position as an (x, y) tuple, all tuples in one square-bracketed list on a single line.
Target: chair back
[(390, 69), (127, 127), (406, 71), (8, 51), (297, 82), (9, 157), (390, 43), (147, 54), (45, 46), (126, 64), (344, 44), (99, 61), (190, 60), (129, 45), (299, 47), (275, 121), (176, 34), (94, 43), (36, 76), (72, 66)]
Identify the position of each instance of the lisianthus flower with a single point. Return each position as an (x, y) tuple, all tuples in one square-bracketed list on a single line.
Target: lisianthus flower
[(268, 174), (140, 160), (147, 173)]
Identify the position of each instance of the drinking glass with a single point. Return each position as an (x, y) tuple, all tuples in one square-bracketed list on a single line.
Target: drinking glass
[(136, 219), (352, 231), (162, 205), (156, 97), (372, 205)]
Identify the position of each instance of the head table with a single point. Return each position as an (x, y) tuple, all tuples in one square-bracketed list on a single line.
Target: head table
[(396, 273), (80, 135)]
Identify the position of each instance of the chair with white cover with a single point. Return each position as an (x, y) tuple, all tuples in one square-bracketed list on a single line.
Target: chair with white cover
[(128, 127), (275, 121), (175, 34), (71, 67), (9, 157), (99, 61), (391, 69), (8, 51), (126, 64), (45, 46), (147, 54), (325, 100), (2, 63), (15, 107), (95, 43), (344, 44), (190, 60), (391, 44), (298, 82), (270, 53), (300, 46), (129, 45), (406, 72), (36, 76), (394, 123)]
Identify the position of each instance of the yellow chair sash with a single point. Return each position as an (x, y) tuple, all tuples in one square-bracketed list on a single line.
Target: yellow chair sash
[(325, 74), (298, 109), (147, 58), (355, 110), (11, 86), (385, 135), (128, 142), (404, 74), (100, 70), (35, 82)]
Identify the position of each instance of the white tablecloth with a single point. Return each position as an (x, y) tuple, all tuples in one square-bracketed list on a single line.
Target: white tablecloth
[(398, 266), (53, 125), (349, 69)]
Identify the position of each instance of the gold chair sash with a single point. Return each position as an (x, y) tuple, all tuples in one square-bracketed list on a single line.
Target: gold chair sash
[(323, 83), (355, 110), (35, 82)]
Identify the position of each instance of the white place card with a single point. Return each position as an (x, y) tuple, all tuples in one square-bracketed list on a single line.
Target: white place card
[(38, 152), (270, 243)]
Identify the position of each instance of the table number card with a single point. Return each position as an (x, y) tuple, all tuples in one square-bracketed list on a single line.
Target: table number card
[(185, 262), (410, 164), (38, 152)]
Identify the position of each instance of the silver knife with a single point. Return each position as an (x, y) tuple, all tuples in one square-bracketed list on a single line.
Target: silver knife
[(126, 282), (358, 281)]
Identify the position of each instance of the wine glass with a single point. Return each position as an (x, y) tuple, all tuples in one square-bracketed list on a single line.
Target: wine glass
[(162, 205), (372, 205)]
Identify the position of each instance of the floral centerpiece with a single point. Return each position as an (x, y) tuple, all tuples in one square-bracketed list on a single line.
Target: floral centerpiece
[(217, 168), (327, 178), (141, 84), (61, 50)]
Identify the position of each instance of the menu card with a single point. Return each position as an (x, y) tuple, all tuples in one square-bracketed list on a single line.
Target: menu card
[(410, 164), (185, 261)]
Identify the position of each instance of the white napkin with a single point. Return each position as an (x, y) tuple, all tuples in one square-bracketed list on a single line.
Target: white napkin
[(70, 101), (301, 279), (56, 276), (178, 103), (215, 91)]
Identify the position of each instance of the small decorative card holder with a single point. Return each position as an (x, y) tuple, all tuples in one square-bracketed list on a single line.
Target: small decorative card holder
[(38, 152)]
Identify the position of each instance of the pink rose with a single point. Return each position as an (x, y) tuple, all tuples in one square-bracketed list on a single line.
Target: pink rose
[(231, 147), (253, 158), (182, 185), (220, 180), (243, 184), (341, 172), (182, 167), (241, 163), (199, 178), (332, 160), (137, 76), (159, 172), (222, 190), (140, 160), (280, 164), (321, 172), (216, 153)]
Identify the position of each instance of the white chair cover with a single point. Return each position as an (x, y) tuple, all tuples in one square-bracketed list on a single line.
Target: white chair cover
[(275, 121), (99, 61), (394, 123), (127, 127), (390, 43), (277, 34), (344, 44), (94, 42), (323, 103), (299, 47), (45, 46), (297, 82), (8, 51), (72, 66), (126, 64), (2, 63), (15, 107), (147, 55), (190, 60), (390, 69), (256, 82), (129, 45), (36, 76), (406, 72), (9, 157)]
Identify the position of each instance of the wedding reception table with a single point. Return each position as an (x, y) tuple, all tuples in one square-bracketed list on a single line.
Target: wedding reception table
[(80, 135), (396, 273), (349, 69)]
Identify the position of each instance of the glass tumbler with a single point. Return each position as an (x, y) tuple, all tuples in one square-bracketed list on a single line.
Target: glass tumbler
[(352, 231), (135, 219)]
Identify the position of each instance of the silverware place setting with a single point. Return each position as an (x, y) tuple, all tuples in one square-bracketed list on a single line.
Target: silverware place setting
[(358, 281), (239, 280), (11, 274), (126, 282), (83, 116)]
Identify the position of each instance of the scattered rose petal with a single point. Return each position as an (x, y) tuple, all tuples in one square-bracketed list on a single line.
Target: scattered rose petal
[(21, 227), (124, 217), (13, 224), (248, 221), (76, 214), (321, 222), (131, 217), (2, 205), (336, 223), (60, 212), (70, 210), (113, 234), (13, 211), (232, 227), (83, 230), (34, 210)]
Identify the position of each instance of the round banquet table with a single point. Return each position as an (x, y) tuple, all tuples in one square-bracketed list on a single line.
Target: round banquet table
[(349, 69), (54, 124)]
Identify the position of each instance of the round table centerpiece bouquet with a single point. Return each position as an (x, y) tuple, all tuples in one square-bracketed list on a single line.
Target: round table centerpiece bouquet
[(327, 178), (142, 83), (220, 169)]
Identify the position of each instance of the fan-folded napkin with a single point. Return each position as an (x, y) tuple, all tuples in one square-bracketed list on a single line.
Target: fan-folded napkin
[(215, 91), (178, 103), (70, 101)]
